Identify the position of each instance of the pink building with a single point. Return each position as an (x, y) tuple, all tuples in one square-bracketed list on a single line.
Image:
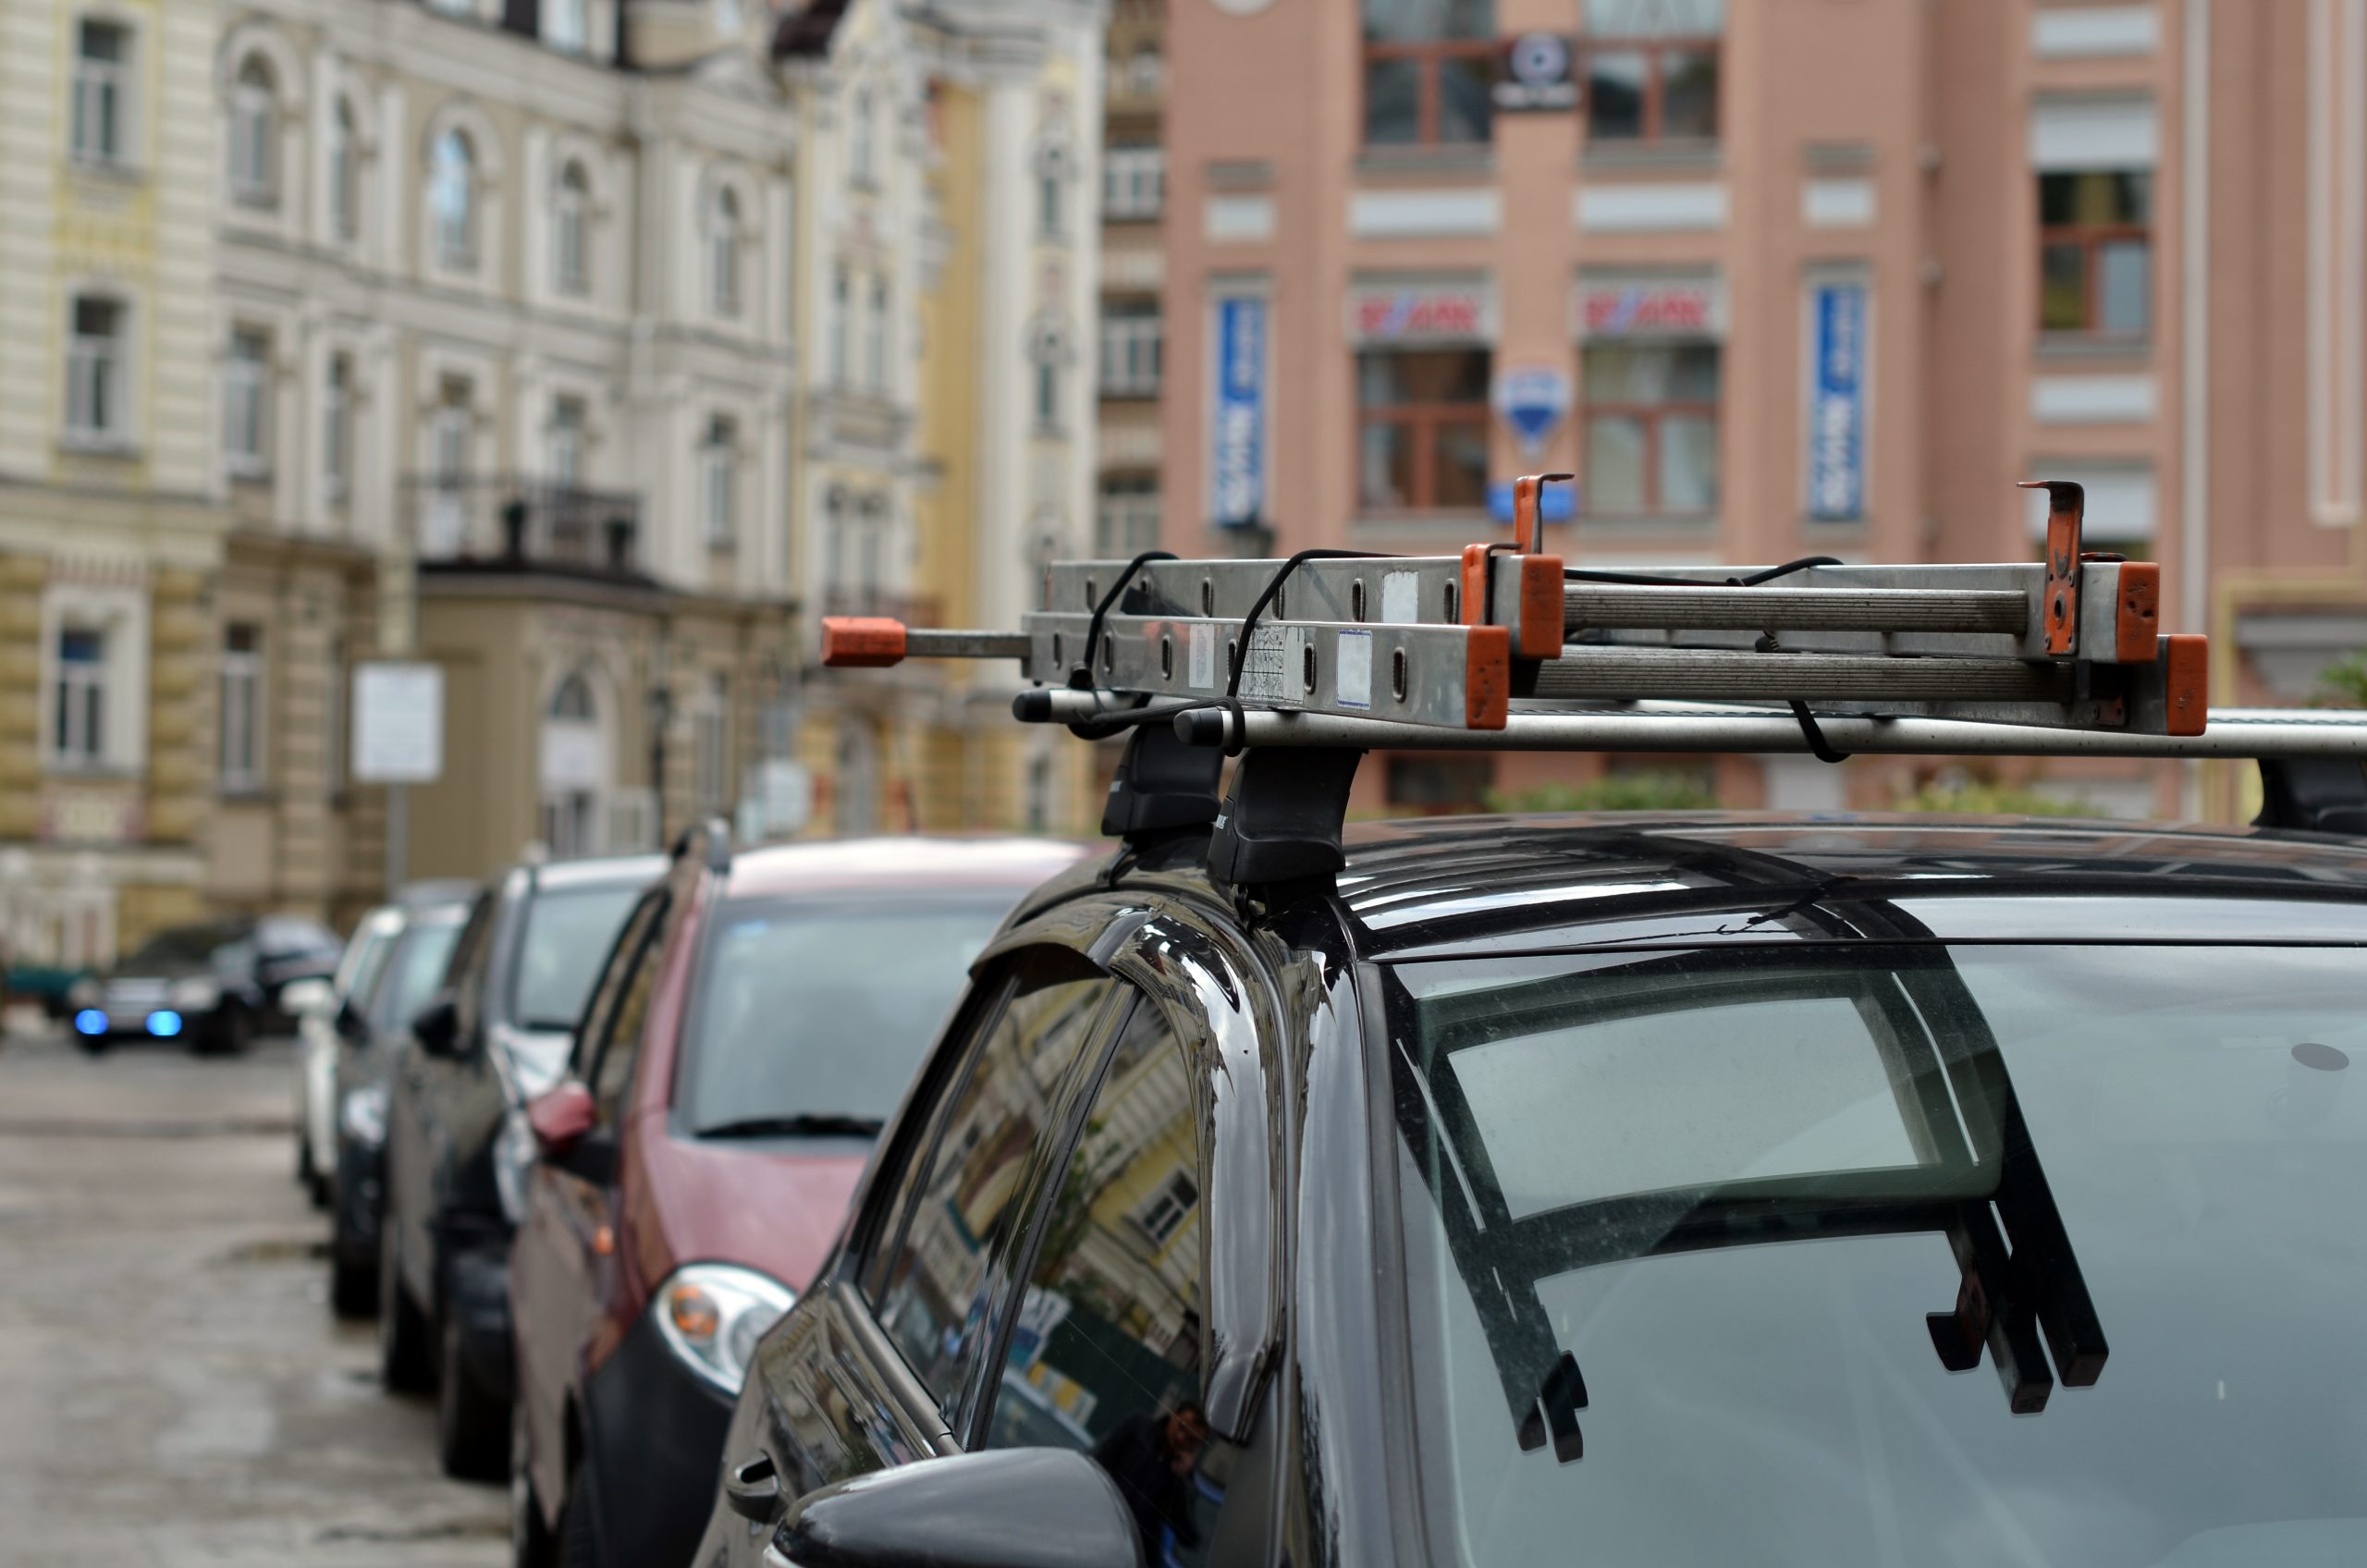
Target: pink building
[(1780, 277)]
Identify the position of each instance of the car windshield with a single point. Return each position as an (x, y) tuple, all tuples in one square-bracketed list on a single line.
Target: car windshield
[(187, 944), (812, 1010), (1887, 1254), (412, 971), (365, 955), (568, 932)]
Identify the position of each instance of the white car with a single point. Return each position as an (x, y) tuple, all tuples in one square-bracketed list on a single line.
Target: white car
[(319, 1011)]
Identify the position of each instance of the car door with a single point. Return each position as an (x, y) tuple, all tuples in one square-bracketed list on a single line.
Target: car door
[(566, 1246), (412, 1109), (874, 1368)]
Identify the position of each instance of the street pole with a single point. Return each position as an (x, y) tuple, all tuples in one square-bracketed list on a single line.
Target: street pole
[(398, 836)]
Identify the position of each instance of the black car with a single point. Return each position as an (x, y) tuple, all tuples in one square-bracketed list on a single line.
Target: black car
[(215, 983), (457, 1145), (370, 1026), (1692, 1191)]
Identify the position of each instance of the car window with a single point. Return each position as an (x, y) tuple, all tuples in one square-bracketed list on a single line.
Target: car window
[(411, 972), (465, 975), (821, 1007), (962, 1201), (1104, 1354), (2034, 1254), (568, 931), (281, 937), (187, 944), (609, 1040), (367, 944)]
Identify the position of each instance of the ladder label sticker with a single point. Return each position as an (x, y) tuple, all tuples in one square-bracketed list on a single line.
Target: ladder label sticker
[(1354, 669), (1265, 668), (1202, 656), (1401, 598)]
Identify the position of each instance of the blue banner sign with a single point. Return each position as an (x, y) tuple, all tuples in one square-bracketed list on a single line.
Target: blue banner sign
[(1239, 467), (1837, 404), (1555, 502)]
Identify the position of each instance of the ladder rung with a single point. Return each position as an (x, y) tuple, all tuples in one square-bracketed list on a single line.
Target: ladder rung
[(1712, 673), (1807, 609)]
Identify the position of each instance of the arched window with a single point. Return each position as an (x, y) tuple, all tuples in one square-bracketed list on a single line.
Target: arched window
[(575, 770), (571, 219), (345, 173), (723, 253), (452, 198), (254, 125), (572, 700)]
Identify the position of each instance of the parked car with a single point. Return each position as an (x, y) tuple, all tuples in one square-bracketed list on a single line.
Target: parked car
[(758, 1019), (1650, 1188), (372, 1026), (217, 984), (454, 1159), (326, 1029)]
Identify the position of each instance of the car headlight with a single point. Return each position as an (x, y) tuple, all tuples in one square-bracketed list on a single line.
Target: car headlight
[(712, 1314), (363, 1115), (195, 995), (86, 992)]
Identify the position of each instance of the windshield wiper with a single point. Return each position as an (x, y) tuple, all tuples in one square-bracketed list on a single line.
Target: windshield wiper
[(836, 1125)]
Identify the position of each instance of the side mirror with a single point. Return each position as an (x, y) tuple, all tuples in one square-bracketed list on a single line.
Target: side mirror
[(438, 1028), (1004, 1508), (306, 996), (561, 1119)]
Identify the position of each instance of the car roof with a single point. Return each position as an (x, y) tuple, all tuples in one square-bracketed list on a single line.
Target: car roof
[(602, 871), (1009, 863), (1447, 886)]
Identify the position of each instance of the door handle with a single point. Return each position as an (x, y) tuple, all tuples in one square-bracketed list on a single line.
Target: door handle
[(753, 1489)]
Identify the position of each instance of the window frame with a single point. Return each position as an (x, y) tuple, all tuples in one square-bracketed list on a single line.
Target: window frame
[(455, 243), (725, 227), (1132, 350), (1425, 422), (1133, 182), (252, 133), (243, 687), (108, 84), (571, 230), (719, 482), (97, 371), (2091, 240), (78, 689), (1651, 416), (1651, 106), (246, 403)]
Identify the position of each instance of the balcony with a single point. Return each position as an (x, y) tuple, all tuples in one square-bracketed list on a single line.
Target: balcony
[(511, 522)]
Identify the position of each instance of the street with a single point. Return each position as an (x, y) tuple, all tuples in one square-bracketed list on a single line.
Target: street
[(173, 1388)]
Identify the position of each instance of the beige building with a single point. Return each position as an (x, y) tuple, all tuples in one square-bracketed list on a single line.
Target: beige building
[(949, 165), (1778, 279), (503, 381), (112, 517)]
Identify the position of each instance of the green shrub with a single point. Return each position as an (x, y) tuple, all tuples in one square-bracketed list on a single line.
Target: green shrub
[(1612, 792), (2343, 684), (1976, 798)]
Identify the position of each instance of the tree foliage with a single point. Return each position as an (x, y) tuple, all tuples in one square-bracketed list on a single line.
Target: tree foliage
[(1612, 792)]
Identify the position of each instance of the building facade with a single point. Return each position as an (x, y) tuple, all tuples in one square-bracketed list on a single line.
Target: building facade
[(504, 348), (950, 163), (1780, 277), (112, 518)]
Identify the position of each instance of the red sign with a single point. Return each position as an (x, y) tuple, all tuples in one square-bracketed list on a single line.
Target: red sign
[(1635, 309), (1385, 316)]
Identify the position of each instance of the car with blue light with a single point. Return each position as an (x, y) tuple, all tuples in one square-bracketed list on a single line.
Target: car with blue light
[(217, 984)]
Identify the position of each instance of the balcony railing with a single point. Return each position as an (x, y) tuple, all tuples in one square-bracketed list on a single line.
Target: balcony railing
[(515, 523), (913, 609)]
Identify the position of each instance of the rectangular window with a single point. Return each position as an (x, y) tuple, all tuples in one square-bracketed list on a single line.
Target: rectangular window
[(1168, 1209), (720, 462), (1651, 70), (1131, 334), (242, 706), (79, 699), (1048, 393), (244, 384), (1126, 523), (1421, 429), (333, 718), (1651, 429), (94, 372), (874, 337), (841, 306), (2096, 251), (1429, 69), (567, 443), (102, 58), (711, 749), (336, 427), (564, 25), (1133, 182)]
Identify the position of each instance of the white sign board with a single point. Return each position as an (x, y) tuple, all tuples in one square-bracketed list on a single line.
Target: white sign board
[(398, 723), (784, 793)]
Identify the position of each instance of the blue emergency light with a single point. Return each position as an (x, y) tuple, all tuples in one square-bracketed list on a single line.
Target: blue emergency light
[(91, 1021), (164, 1024)]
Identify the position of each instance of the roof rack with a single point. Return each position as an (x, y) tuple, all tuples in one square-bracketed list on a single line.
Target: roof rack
[(1311, 661)]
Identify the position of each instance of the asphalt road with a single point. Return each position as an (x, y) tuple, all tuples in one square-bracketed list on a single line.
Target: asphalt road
[(173, 1388)]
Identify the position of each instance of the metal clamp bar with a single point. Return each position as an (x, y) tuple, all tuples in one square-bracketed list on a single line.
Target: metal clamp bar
[(1716, 673), (1806, 610)]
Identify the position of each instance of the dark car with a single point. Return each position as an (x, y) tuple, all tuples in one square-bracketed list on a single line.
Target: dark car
[(215, 983), (1694, 1191), (370, 1026), (760, 1017), (457, 1147)]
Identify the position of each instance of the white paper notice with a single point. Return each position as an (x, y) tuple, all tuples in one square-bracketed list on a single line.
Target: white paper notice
[(1401, 598), (1353, 669), (1202, 657)]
